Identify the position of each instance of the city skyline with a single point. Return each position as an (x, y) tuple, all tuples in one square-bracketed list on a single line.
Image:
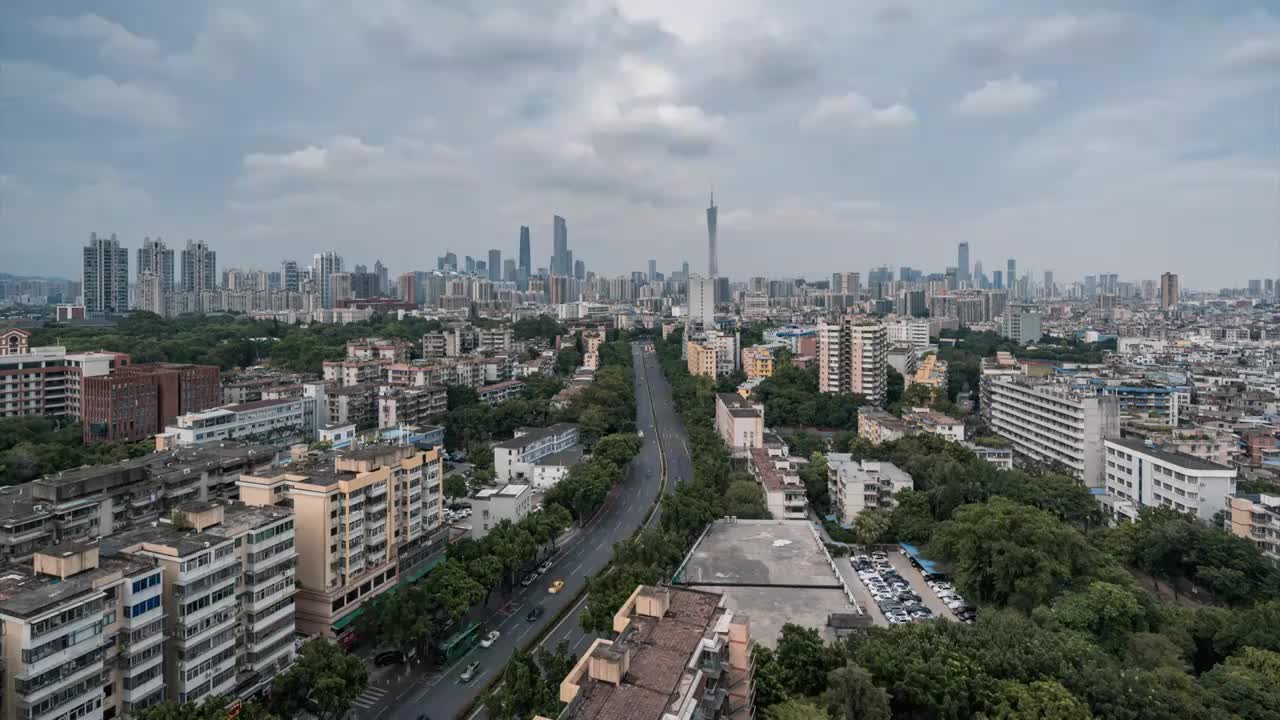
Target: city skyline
[(995, 129)]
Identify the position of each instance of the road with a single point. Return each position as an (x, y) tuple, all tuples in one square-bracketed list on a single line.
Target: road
[(440, 693)]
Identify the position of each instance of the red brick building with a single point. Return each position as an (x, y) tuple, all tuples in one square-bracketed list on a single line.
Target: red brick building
[(138, 401)]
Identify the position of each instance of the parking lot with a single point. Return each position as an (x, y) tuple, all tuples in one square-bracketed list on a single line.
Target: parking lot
[(898, 600)]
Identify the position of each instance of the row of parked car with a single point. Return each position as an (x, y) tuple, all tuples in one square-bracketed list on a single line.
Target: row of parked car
[(532, 577), (946, 592), (898, 602), (452, 515)]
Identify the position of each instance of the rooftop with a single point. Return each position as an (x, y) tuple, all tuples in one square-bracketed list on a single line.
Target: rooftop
[(767, 472), (529, 435), (259, 404), (26, 594), (1190, 462), (774, 571), (186, 542)]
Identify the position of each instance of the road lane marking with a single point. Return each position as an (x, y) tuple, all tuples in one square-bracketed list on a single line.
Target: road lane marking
[(567, 615), (575, 569)]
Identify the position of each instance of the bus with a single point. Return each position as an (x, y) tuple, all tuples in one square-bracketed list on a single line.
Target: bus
[(457, 644)]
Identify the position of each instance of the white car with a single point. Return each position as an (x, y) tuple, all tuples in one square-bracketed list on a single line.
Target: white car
[(490, 639)]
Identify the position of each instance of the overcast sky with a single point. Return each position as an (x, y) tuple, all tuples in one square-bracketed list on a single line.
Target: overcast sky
[(1130, 136)]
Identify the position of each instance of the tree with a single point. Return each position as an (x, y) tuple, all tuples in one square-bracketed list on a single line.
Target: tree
[(871, 526), (795, 710), (895, 384), (1039, 700), (1248, 684), (1004, 553), (214, 708), (323, 681), (461, 396), (803, 660), (744, 499), (769, 686), (852, 695), (524, 692), (1109, 612), (455, 486)]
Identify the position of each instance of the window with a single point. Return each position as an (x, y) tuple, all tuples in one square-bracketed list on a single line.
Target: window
[(146, 582), (145, 606)]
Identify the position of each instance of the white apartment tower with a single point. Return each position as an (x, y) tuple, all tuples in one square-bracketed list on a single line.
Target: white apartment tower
[(323, 265), (853, 357), (1048, 422)]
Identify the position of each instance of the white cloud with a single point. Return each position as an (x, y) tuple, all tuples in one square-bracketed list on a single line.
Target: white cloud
[(855, 112), (96, 96), (118, 43), (345, 160), (1002, 97), (220, 48), (1259, 52)]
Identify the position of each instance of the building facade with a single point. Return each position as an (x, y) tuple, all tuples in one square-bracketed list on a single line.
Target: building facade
[(858, 485), (853, 357), (1139, 476), (105, 276), (1048, 422)]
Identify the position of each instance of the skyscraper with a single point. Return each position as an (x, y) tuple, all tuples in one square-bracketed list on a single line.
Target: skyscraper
[(702, 304), (199, 272), (560, 262), (712, 211), (324, 265), (526, 258), (1011, 278), (495, 265), (1169, 291), (384, 278), (106, 275), (962, 268), (997, 279), (653, 270), (509, 272), (290, 276), (469, 264), (156, 257), (1050, 290)]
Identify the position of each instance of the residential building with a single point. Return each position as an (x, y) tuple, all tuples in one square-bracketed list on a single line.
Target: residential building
[(513, 459), (678, 654), (199, 274), (157, 258), (1256, 518), (48, 380), (352, 404), (501, 392), (74, 647), (353, 510), (877, 426), (1049, 422), (858, 485), (993, 369), (909, 331), (1001, 457), (934, 422), (378, 349), (137, 401), (492, 505), (1021, 323), (15, 341), (323, 266), (105, 276), (354, 372), (1170, 291), (712, 353), (758, 361), (784, 492), (1138, 476), (261, 420), (700, 358), (932, 373), (702, 304), (411, 405), (739, 422), (853, 357)]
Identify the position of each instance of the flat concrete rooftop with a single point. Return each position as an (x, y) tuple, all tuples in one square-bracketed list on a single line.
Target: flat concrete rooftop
[(766, 553)]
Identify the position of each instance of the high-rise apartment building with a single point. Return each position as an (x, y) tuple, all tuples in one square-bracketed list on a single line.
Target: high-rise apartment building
[(1021, 323), (323, 266), (156, 257), (199, 268), (290, 276), (1169, 291), (1011, 278), (962, 266), (106, 275), (355, 514), (853, 357), (846, 283), (1139, 476), (653, 270), (702, 304), (560, 262)]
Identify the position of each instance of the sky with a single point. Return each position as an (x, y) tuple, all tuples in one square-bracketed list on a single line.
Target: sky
[(1129, 136)]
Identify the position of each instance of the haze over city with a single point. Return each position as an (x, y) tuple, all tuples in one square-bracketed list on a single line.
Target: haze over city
[(1129, 138)]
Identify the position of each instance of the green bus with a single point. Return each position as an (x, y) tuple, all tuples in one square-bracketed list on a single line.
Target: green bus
[(457, 644)]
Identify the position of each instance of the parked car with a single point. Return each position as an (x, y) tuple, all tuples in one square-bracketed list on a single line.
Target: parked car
[(490, 639), (545, 567), (470, 672), (535, 612), (529, 579)]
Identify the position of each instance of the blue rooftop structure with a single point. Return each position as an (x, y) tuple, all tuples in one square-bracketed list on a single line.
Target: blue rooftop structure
[(927, 566)]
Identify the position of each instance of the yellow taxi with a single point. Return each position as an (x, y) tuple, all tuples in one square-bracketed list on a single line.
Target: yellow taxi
[(556, 587)]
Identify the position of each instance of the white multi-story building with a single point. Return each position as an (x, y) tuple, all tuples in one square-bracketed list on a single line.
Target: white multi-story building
[(784, 493), (858, 485), (513, 459), (739, 422), (1048, 422), (853, 357), (909, 331), (491, 506), (257, 419), (80, 636), (702, 303), (1138, 476), (1021, 323)]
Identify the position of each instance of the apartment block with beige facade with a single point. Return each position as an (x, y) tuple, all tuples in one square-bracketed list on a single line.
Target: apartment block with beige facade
[(758, 360), (739, 422), (1256, 518), (353, 512), (679, 654)]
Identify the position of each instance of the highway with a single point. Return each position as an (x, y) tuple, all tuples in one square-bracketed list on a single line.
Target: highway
[(440, 693)]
